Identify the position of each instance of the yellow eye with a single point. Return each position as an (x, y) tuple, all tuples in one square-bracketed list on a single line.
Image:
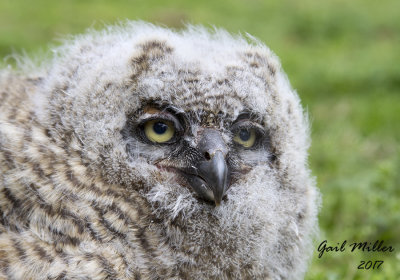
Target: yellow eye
[(159, 131), (245, 137)]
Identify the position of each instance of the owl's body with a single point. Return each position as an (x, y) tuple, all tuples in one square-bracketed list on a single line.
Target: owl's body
[(87, 193)]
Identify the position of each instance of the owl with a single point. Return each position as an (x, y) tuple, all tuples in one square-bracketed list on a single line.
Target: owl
[(140, 152)]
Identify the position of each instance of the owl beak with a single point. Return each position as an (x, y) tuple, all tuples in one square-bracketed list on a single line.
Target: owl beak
[(215, 173), (209, 176)]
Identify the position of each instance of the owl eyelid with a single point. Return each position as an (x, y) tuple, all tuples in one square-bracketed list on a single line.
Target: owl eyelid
[(162, 117), (249, 116), (247, 124)]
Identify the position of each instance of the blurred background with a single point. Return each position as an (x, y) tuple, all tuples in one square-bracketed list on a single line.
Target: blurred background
[(343, 58)]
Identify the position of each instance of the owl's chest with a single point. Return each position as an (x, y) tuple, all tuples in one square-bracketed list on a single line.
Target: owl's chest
[(206, 250)]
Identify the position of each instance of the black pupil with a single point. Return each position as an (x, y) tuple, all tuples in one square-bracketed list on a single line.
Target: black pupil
[(244, 135), (160, 127)]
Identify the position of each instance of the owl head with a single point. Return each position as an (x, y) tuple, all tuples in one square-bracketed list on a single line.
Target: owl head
[(203, 125)]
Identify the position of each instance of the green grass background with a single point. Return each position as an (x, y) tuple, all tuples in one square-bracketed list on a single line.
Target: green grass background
[(343, 58)]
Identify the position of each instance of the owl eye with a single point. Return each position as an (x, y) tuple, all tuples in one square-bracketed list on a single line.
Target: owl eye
[(159, 131), (245, 137)]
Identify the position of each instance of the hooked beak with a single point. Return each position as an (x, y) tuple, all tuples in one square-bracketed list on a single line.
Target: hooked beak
[(215, 173), (209, 177)]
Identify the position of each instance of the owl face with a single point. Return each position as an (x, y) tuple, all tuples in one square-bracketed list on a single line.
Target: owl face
[(199, 125)]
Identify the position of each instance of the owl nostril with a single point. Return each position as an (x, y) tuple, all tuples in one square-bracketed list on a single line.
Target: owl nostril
[(207, 155)]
